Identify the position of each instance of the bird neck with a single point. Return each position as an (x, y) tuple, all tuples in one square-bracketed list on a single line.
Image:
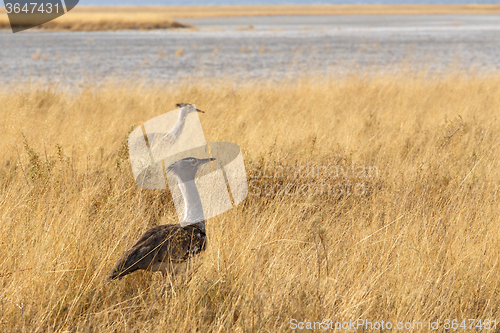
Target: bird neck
[(193, 209), (179, 125)]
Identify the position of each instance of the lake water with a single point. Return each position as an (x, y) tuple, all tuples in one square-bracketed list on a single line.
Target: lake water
[(256, 48)]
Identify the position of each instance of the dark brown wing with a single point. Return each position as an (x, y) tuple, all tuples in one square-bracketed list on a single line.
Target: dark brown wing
[(169, 243)]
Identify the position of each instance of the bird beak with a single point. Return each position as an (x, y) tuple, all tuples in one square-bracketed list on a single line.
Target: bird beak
[(200, 111), (206, 160)]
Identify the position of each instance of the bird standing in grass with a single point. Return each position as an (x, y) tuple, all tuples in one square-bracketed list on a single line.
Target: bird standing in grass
[(159, 248), (173, 134)]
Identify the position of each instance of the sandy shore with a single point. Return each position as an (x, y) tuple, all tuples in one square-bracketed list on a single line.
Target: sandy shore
[(226, 11)]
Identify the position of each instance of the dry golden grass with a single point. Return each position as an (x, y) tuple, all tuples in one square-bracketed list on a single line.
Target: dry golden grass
[(92, 18), (420, 243), (105, 20)]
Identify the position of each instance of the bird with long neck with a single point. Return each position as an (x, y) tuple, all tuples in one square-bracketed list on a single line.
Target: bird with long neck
[(193, 209), (173, 134), (164, 245)]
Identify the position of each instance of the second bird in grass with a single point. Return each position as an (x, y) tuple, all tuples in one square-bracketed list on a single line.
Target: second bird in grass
[(170, 138), (159, 248)]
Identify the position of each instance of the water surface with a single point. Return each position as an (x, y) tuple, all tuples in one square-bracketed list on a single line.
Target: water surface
[(256, 48)]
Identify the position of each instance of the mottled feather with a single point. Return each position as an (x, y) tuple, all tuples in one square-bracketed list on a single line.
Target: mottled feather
[(160, 247)]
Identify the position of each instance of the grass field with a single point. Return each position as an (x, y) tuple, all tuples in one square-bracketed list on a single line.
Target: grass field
[(90, 18), (399, 221)]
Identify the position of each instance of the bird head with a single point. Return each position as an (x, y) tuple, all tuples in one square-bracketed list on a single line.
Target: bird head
[(189, 107), (186, 168)]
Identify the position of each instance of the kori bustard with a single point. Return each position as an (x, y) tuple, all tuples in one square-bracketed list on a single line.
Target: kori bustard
[(159, 248)]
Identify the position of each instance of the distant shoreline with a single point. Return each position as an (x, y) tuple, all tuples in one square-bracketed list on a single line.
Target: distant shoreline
[(177, 12), (106, 18)]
